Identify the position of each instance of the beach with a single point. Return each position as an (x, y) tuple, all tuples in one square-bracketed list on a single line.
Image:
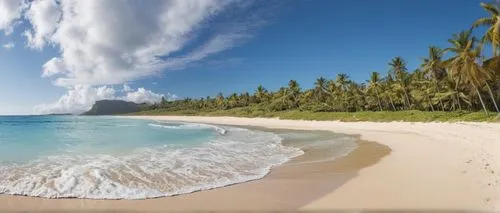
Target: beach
[(397, 166)]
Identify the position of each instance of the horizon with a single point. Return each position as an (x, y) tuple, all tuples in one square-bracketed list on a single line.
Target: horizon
[(55, 61)]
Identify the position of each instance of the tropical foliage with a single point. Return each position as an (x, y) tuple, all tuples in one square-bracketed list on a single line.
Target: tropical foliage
[(459, 77)]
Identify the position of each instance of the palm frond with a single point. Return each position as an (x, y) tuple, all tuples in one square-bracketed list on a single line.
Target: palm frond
[(491, 8), (485, 22), (493, 65)]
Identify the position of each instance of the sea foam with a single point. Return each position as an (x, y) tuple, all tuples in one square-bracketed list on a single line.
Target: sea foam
[(235, 155)]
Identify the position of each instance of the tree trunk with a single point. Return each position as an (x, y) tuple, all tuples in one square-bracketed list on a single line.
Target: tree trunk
[(440, 101), (492, 97), (481, 99), (346, 103), (454, 106), (378, 98), (404, 102), (407, 99), (430, 102), (458, 94), (392, 103)]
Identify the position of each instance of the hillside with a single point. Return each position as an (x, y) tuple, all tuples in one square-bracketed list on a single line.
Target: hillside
[(113, 107)]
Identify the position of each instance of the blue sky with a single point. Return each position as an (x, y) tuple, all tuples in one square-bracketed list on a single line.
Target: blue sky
[(299, 40)]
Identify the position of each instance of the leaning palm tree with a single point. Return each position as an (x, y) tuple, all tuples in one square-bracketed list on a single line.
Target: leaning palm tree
[(492, 66), (451, 96), (374, 84), (464, 66), (492, 22)]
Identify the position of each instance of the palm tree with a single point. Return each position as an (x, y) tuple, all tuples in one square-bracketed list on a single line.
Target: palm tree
[(358, 97), (492, 66), (422, 90), (342, 81), (373, 84), (220, 100), (464, 66), (233, 100), (260, 94), (319, 89), (294, 89), (492, 34), (434, 66), (333, 91), (244, 99), (492, 22), (387, 90), (398, 69)]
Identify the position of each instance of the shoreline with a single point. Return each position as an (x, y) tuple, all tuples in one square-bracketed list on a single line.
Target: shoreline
[(288, 186), (432, 166)]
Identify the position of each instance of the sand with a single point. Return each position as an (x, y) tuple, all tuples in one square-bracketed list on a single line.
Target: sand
[(413, 166), (433, 166)]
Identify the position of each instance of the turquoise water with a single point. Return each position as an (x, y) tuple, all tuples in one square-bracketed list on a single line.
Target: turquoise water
[(118, 158), (24, 138)]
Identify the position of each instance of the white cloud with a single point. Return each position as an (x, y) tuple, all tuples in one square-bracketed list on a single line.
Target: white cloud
[(10, 12), (80, 98), (77, 99), (53, 67), (104, 43), (143, 96), (9, 45), (112, 42), (43, 16), (126, 88)]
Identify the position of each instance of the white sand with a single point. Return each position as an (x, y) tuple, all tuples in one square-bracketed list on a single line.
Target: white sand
[(433, 166)]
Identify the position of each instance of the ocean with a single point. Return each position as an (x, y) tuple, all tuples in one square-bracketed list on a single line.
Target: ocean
[(120, 158)]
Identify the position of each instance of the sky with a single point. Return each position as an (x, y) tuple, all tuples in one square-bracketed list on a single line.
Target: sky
[(60, 56)]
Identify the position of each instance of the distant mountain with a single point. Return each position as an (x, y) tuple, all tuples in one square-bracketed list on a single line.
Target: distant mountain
[(113, 107)]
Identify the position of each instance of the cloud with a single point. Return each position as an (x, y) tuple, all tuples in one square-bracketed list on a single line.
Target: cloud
[(112, 42), (126, 88), (53, 67), (10, 12), (102, 43), (9, 45), (43, 16), (80, 98), (143, 96)]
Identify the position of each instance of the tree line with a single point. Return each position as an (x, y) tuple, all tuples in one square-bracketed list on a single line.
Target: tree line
[(459, 77)]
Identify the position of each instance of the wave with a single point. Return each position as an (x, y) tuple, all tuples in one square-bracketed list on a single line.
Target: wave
[(236, 155), (179, 125)]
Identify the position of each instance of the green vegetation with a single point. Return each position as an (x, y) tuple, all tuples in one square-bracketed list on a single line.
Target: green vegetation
[(453, 83), (384, 116)]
